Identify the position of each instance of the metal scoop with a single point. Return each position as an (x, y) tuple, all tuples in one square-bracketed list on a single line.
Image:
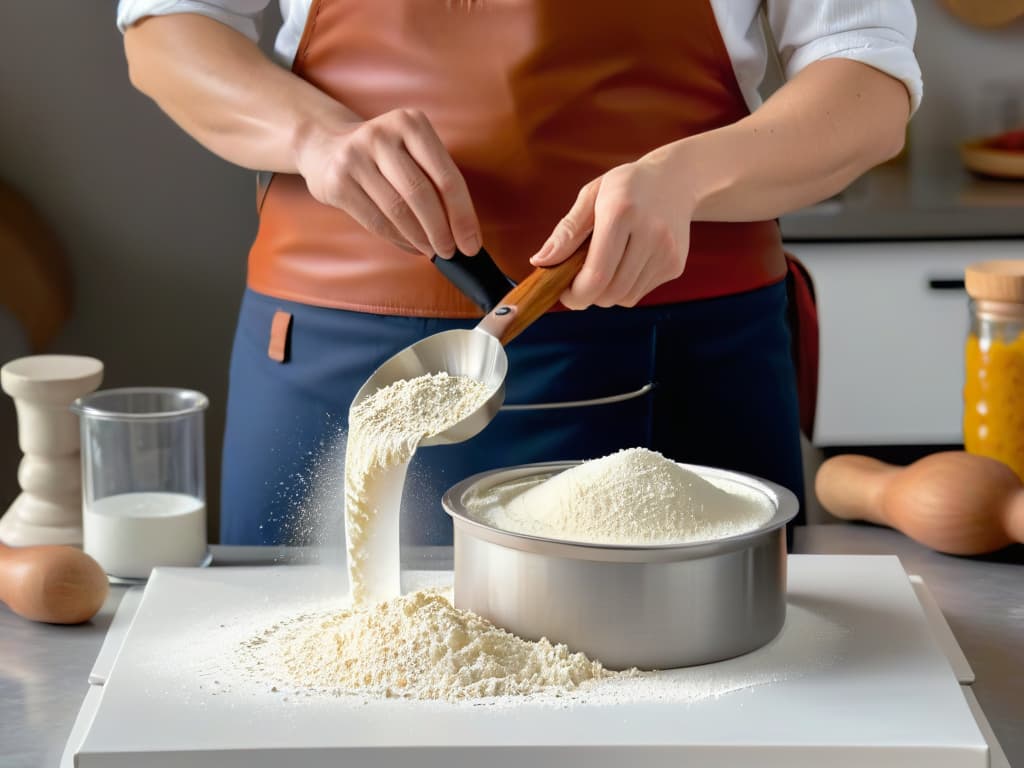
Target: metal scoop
[(479, 353)]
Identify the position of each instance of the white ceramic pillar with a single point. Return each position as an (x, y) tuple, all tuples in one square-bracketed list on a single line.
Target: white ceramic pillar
[(49, 509)]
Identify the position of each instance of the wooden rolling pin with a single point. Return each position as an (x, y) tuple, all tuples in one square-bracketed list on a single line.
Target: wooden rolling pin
[(55, 584), (953, 502)]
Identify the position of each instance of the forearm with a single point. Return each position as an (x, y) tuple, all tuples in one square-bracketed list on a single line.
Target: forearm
[(815, 135), (219, 87)]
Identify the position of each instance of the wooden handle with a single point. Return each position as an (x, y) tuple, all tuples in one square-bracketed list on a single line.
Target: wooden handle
[(54, 584), (533, 297), (1013, 516), (951, 501), (851, 487)]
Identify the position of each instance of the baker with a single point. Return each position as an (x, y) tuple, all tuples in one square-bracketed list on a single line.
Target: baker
[(387, 131)]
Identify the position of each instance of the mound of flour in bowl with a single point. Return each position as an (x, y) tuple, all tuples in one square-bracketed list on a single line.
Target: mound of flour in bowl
[(634, 496), (417, 646)]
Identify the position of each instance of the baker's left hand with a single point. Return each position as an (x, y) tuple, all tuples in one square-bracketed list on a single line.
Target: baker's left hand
[(639, 217)]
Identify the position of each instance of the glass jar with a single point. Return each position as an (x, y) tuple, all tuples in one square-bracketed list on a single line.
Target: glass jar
[(143, 481), (994, 363)]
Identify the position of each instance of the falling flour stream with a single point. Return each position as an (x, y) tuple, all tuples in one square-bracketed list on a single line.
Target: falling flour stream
[(384, 432)]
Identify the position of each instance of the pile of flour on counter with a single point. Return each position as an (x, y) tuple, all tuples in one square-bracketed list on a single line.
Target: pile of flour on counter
[(634, 496), (418, 646), (384, 431)]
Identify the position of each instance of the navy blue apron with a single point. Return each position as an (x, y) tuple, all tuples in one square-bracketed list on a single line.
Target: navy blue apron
[(707, 382)]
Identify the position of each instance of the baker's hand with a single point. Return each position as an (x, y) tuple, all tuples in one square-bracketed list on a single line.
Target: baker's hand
[(393, 175), (639, 214)]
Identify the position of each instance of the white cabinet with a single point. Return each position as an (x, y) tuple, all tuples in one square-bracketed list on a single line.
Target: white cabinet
[(892, 334)]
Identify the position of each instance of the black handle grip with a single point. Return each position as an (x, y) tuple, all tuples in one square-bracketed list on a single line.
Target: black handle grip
[(478, 277)]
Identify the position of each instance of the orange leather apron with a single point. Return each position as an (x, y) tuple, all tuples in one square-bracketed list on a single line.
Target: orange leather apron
[(533, 98)]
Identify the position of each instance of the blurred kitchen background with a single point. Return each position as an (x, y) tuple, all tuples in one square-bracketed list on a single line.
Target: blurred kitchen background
[(155, 233)]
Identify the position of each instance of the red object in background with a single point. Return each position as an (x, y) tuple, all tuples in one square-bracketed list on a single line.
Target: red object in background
[(1011, 141), (803, 325), (35, 279)]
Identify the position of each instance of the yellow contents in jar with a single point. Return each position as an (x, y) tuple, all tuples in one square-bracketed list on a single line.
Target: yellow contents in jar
[(994, 401)]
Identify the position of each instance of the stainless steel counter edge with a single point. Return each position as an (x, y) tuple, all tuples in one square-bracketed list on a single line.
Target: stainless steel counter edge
[(891, 202)]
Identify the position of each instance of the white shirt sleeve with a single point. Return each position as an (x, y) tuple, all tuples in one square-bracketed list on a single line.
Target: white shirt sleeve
[(879, 33), (243, 15)]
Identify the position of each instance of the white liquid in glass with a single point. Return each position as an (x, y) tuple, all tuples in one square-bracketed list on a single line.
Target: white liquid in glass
[(131, 533)]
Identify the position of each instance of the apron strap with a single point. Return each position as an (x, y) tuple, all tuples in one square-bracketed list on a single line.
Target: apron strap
[(277, 349)]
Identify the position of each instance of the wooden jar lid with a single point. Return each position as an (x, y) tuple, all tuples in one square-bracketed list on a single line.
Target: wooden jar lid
[(1001, 280)]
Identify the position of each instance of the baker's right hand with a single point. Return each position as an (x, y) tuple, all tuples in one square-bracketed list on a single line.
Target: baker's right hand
[(393, 175)]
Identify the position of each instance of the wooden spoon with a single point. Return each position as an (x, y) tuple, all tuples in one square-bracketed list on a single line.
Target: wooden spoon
[(55, 584), (953, 502)]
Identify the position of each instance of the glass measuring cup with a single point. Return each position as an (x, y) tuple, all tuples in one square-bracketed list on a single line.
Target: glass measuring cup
[(143, 479)]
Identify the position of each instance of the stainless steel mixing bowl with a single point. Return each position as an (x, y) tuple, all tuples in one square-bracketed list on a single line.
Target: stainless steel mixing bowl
[(651, 607)]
